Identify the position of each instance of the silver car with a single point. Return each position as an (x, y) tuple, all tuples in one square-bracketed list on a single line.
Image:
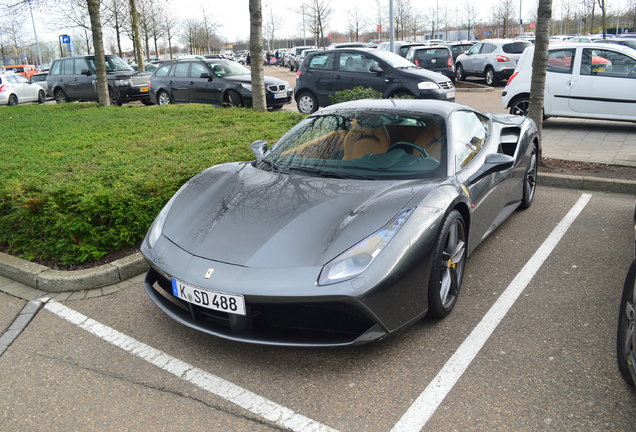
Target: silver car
[(493, 59), (15, 89)]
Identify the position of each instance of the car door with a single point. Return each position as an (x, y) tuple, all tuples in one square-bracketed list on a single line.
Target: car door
[(605, 85), (319, 77), (558, 80), (470, 59), (85, 85), (70, 83), (354, 70), (180, 82), (199, 90), (28, 90)]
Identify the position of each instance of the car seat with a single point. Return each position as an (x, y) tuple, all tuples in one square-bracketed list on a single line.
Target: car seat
[(360, 141)]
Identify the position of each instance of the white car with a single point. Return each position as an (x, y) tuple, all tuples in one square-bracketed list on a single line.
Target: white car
[(583, 80), (15, 89)]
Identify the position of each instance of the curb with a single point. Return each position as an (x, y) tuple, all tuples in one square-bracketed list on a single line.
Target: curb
[(45, 279)]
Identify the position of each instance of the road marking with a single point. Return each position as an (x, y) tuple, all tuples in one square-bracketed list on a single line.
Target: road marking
[(252, 402), (19, 324), (427, 403)]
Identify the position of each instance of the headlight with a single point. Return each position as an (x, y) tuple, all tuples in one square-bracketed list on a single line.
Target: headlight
[(157, 226), (247, 86), (355, 260), (427, 85), (123, 82)]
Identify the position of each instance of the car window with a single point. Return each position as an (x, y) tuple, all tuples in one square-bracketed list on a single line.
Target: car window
[(470, 131), (181, 70), (80, 64), (38, 78), (11, 79), (432, 57), (459, 49), (19, 79), (68, 67), (488, 48), (196, 69), (601, 62), (356, 62), (475, 49), (322, 61), (515, 47), (163, 70), (56, 69), (561, 60)]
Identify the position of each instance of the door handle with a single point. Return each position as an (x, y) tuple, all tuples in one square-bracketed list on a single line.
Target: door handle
[(568, 83), (170, 82), (191, 82), (338, 76)]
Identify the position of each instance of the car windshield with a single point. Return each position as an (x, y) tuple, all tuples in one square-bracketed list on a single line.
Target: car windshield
[(225, 68), (113, 64), (392, 59), (363, 144)]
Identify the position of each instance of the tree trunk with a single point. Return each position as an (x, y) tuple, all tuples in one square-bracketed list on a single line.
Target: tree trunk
[(98, 42), (540, 63), (256, 53), (134, 20)]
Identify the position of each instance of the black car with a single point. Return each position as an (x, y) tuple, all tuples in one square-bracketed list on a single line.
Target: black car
[(74, 78), (458, 48), (436, 58), (324, 73), (212, 81)]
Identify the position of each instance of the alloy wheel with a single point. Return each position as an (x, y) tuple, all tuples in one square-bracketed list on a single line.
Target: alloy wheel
[(452, 265), (520, 107), (163, 98)]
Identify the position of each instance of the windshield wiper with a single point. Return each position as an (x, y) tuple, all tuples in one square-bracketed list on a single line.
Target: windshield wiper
[(327, 173), (272, 166)]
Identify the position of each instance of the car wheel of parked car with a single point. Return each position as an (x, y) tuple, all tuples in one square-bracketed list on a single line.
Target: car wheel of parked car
[(625, 340), (113, 99), (459, 72), (233, 99), (530, 180), (448, 266), (146, 102), (490, 76), (307, 103), (41, 97), (163, 98), (13, 100), (60, 96), (520, 104)]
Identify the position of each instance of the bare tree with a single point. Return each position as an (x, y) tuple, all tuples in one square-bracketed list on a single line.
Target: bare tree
[(319, 12), (270, 28), (256, 53), (503, 12), (469, 16), (402, 17), (540, 63), (381, 15), (98, 43), (170, 24), (136, 36), (116, 12), (356, 22)]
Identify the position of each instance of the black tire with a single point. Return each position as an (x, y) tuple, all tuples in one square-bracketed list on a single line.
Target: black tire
[(233, 99), (530, 178), (459, 72), (60, 96), (277, 107), (447, 271), (625, 337), (163, 98), (41, 97), (13, 100), (113, 99), (146, 102), (307, 103), (489, 76), (520, 105)]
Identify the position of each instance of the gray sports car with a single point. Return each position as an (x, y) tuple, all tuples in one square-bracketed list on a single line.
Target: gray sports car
[(354, 225)]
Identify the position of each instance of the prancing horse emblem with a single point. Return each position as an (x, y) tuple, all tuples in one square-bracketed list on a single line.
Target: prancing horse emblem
[(209, 273)]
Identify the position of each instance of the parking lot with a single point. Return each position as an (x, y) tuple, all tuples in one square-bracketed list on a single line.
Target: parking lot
[(549, 364)]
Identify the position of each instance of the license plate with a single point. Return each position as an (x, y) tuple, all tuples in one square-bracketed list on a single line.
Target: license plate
[(450, 95), (280, 95), (214, 300), (144, 89)]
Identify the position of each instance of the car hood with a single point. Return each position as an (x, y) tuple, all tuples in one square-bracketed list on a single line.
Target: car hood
[(247, 78), (129, 75), (238, 214), (426, 74)]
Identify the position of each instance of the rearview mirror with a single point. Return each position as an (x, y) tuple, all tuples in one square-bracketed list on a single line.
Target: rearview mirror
[(495, 162), (259, 148)]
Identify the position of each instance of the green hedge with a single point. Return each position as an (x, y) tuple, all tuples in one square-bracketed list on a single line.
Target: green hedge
[(78, 181)]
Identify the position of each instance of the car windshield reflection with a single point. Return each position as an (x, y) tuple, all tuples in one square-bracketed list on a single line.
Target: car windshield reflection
[(363, 144), (227, 68)]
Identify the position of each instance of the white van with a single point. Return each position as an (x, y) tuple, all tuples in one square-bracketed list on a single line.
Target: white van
[(583, 80)]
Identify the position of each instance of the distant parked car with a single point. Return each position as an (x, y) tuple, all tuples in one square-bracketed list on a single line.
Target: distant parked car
[(148, 67), (619, 41), (347, 45), (386, 46), (292, 54), (26, 70), (215, 82), (15, 89), (493, 59), (74, 78), (301, 57), (436, 58), (40, 79), (584, 80), (324, 73), (458, 48)]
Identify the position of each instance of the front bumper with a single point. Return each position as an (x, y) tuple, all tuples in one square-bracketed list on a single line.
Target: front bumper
[(132, 93)]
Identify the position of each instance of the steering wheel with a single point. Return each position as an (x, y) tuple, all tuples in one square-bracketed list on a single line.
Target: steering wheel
[(410, 145)]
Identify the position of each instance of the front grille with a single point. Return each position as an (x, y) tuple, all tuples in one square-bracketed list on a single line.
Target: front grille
[(140, 81), (276, 88), (446, 85)]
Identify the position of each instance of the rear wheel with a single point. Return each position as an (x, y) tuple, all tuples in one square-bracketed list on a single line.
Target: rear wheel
[(13, 100), (41, 97), (448, 266), (146, 102), (60, 96), (459, 72), (307, 103), (520, 105), (490, 76), (163, 98), (530, 179)]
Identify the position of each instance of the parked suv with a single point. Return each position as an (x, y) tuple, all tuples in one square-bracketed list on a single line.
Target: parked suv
[(214, 82), (493, 59), (292, 56), (74, 78), (324, 73), (436, 58), (584, 80)]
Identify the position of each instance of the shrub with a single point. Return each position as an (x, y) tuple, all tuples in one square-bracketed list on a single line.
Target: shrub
[(355, 93)]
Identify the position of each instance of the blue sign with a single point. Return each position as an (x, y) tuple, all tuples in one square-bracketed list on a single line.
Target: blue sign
[(66, 39)]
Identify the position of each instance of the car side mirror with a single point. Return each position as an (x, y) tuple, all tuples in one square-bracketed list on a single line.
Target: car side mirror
[(376, 69), (259, 148), (205, 75), (85, 72), (495, 162)]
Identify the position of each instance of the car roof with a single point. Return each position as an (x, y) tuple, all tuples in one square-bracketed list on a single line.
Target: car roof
[(618, 47), (429, 106)]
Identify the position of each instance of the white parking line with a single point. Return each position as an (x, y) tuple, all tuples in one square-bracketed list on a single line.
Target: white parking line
[(427, 403), (231, 392)]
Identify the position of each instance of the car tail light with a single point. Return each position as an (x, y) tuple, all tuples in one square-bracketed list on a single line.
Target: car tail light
[(511, 78), (3, 87), (298, 74), (502, 59), (449, 63)]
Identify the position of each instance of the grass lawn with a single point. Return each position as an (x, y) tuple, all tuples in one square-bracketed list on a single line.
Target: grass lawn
[(79, 181)]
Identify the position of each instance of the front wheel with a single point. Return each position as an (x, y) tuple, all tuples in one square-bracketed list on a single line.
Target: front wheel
[(530, 179), (448, 266), (626, 335), (520, 105), (307, 103), (113, 99), (146, 102), (233, 99), (459, 73)]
